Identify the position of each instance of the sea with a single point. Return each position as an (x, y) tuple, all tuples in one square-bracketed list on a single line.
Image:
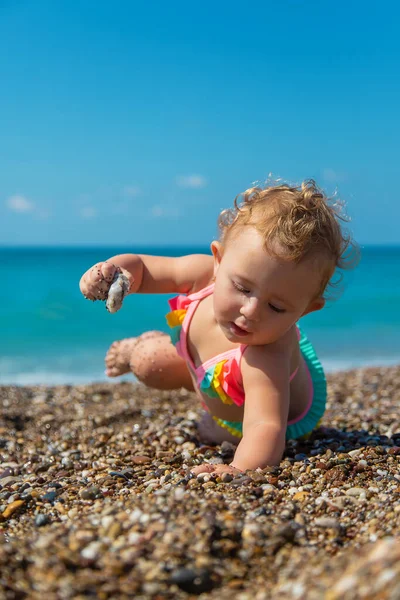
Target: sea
[(51, 335)]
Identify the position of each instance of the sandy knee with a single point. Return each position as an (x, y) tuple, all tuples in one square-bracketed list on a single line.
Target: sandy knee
[(156, 363), (151, 358)]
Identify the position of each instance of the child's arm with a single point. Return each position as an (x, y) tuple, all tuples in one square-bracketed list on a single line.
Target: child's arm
[(265, 372), (149, 274)]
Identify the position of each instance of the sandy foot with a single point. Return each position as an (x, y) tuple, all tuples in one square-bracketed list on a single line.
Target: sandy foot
[(119, 354)]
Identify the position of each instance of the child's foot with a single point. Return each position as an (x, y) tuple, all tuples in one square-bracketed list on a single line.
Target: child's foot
[(118, 357), (119, 354)]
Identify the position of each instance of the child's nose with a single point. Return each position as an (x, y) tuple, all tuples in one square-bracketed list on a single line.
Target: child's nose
[(251, 309)]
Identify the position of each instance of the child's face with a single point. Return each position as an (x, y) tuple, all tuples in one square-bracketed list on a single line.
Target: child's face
[(257, 297)]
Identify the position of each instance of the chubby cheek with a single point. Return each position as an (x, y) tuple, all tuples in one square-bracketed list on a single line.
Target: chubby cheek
[(224, 303), (282, 326), (219, 307)]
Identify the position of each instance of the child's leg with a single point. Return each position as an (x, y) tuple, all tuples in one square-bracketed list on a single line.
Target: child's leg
[(119, 354), (152, 359)]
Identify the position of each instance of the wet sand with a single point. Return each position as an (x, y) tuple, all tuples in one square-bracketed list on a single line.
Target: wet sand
[(96, 500)]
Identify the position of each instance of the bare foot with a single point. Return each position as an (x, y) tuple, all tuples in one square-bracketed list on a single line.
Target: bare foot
[(118, 357), (120, 353)]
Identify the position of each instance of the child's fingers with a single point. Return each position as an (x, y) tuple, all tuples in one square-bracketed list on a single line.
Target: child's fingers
[(220, 469), (204, 468), (96, 282), (108, 270), (85, 286), (217, 469)]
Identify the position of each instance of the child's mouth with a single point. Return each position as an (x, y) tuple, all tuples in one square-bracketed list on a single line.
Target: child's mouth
[(238, 330)]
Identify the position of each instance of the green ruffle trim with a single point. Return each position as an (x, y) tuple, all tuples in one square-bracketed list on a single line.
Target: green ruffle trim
[(175, 334), (317, 409), (234, 427), (312, 418), (206, 384)]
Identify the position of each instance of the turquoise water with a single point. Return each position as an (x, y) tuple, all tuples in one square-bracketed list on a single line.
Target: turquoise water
[(51, 334)]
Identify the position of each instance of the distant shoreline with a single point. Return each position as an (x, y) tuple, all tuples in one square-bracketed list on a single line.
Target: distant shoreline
[(204, 246)]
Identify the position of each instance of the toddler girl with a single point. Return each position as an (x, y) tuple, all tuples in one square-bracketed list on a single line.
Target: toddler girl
[(234, 333)]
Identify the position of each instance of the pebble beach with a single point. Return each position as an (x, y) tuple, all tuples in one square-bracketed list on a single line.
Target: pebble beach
[(97, 499)]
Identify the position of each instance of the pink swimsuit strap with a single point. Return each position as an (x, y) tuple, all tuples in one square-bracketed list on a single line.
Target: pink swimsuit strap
[(194, 300), (203, 293)]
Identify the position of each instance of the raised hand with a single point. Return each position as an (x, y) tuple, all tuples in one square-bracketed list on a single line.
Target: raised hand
[(96, 282)]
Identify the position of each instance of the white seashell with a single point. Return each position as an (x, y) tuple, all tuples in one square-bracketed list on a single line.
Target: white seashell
[(118, 290)]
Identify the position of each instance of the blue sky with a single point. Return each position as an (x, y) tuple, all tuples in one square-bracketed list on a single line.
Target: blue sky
[(136, 123)]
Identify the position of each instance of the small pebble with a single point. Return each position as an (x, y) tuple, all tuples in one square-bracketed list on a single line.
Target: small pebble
[(41, 520), (192, 581), (90, 493)]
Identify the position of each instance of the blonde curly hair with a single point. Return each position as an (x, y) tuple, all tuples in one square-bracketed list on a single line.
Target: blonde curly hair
[(296, 222)]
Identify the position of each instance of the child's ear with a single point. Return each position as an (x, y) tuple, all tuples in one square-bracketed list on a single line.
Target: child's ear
[(216, 249), (314, 305)]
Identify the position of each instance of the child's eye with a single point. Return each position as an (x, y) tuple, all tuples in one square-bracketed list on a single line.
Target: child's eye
[(276, 309), (240, 288)]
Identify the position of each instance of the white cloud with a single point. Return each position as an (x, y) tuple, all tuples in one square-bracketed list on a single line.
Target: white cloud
[(88, 212), (19, 204), (157, 211), (44, 215), (131, 191), (191, 181), (167, 212), (119, 208), (332, 176)]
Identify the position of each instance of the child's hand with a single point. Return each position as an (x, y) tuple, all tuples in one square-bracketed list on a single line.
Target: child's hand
[(96, 282), (217, 469)]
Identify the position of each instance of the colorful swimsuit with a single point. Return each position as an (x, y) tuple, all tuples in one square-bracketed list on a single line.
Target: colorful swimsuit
[(220, 376)]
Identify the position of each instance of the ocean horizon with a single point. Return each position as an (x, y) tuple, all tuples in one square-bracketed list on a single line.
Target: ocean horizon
[(51, 335)]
